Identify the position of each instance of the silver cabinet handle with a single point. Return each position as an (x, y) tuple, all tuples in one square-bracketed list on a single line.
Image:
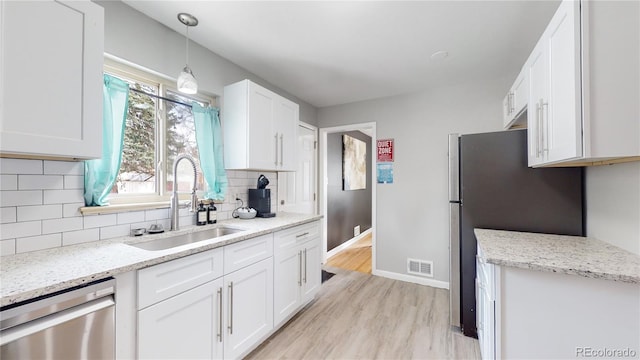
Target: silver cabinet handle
[(230, 326), (276, 162), (543, 106), (300, 268), (538, 129), (301, 235), (305, 266), (281, 148), (220, 314), (512, 102)]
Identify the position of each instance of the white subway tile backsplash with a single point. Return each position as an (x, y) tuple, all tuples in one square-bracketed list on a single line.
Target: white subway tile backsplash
[(156, 214), (47, 215), (37, 182), (110, 232), (38, 243), (63, 196), (130, 217), (93, 221), (80, 236), (21, 229), (8, 182), (7, 215), (64, 167), (39, 212), (61, 225), (20, 166), (7, 247), (18, 198), (72, 210), (74, 182)]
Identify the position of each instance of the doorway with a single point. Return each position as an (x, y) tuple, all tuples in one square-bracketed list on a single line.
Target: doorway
[(325, 201)]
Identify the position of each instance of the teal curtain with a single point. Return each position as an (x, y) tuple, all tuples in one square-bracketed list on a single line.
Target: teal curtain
[(209, 139), (100, 174)]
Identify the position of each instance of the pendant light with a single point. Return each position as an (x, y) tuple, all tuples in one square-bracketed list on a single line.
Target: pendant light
[(186, 81)]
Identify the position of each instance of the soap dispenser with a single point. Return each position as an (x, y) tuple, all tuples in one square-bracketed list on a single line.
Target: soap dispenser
[(201, 215), (212, 216)]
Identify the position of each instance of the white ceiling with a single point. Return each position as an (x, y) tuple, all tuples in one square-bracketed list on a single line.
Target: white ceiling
[(329, 53)]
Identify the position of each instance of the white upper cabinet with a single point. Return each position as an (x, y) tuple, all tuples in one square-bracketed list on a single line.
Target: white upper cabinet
[(584, 86), (516, 100), (260, 128), (51, 56)]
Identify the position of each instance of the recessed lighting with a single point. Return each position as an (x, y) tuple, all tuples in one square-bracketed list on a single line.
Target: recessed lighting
[(439, 55)]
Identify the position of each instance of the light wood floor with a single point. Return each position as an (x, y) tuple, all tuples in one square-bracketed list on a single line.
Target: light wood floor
[(356, 257), (359, 316)]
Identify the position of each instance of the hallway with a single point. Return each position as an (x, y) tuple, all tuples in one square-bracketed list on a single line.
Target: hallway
[(356, 257)]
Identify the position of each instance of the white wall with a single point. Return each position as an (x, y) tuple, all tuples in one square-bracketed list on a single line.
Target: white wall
[(134, 37), (412, 213), (613, 204)]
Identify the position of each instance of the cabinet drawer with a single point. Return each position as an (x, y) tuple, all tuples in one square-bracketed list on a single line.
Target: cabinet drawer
[(162, 281), (247, 252), (292, 237)]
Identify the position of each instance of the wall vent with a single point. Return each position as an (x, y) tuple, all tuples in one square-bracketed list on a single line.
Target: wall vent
[(420, 267)]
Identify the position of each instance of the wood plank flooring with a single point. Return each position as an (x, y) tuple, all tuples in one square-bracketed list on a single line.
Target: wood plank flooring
[(356, 257), (360, 316)]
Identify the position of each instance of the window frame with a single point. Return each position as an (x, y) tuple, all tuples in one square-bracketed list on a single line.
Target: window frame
[(129, 71)]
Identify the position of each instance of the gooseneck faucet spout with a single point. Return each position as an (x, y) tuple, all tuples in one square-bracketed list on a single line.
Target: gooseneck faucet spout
[(175, 220)]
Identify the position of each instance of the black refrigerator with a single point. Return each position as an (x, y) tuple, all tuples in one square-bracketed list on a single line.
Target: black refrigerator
[(492, 187)]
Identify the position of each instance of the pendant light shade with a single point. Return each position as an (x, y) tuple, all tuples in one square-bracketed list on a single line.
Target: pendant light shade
[(187, 83)]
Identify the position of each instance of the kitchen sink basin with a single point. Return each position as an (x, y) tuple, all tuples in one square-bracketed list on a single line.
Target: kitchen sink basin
[(184, 239)]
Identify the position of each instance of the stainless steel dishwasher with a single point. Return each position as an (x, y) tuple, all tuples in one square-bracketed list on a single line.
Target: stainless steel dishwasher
[(74, 324)]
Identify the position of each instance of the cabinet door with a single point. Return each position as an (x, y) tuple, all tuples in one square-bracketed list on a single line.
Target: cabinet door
[(162, 327), (263, 142), (520, 92), (287, 281), (506, 110), (286, 127), (52, 50), (563, 115), (312, 270), (538, 97), (249, 307)]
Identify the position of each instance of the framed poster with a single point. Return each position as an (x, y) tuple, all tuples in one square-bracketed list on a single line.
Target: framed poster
[(354, 163), (385, 150), (385, 173)]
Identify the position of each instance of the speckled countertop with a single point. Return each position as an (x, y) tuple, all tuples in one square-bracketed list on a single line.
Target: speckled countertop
[(29, 275), (572, 255)]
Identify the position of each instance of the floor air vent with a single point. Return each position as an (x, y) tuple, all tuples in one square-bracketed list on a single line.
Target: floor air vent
[(420, 267)]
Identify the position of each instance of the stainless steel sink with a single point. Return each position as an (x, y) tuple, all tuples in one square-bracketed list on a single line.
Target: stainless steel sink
[(190, 238)]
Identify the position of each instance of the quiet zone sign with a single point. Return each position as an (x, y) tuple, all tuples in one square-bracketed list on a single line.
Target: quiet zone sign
[(385, 150)]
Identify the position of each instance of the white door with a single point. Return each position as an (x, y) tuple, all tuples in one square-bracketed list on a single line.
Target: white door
[(263, 141), (297, 190), (286, 127), (161, 326), (287, 280), (248, 306)]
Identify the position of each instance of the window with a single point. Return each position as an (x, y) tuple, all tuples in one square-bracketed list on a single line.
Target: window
[(159, 127)]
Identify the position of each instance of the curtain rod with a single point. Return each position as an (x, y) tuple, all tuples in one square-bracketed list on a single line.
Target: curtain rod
[(160, 97)]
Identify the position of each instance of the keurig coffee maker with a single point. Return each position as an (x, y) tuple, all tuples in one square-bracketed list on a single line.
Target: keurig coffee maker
[(260, 198)]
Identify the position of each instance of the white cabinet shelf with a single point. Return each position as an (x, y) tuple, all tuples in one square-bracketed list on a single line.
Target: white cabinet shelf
[(584, 86), (260, 128), (51, 57)]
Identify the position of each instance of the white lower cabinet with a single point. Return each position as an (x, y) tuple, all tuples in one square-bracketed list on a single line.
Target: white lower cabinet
[(186, 326), (248, 295), (528, 314), (190, 308), (297, 269)]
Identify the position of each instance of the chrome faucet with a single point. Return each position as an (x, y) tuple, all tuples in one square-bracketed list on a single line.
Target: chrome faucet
[(175, 220)]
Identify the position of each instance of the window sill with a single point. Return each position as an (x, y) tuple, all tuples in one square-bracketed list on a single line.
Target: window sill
[(118, 208)]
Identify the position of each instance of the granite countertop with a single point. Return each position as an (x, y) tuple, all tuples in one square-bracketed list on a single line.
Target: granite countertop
[(29, 275), (572, 255)]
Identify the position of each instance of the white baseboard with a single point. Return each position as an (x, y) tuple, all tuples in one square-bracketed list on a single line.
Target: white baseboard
[(347, 243), (412, 279)]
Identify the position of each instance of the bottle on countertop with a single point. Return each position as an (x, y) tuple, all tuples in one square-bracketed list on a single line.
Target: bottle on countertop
[(201, 215), (212, 215)]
